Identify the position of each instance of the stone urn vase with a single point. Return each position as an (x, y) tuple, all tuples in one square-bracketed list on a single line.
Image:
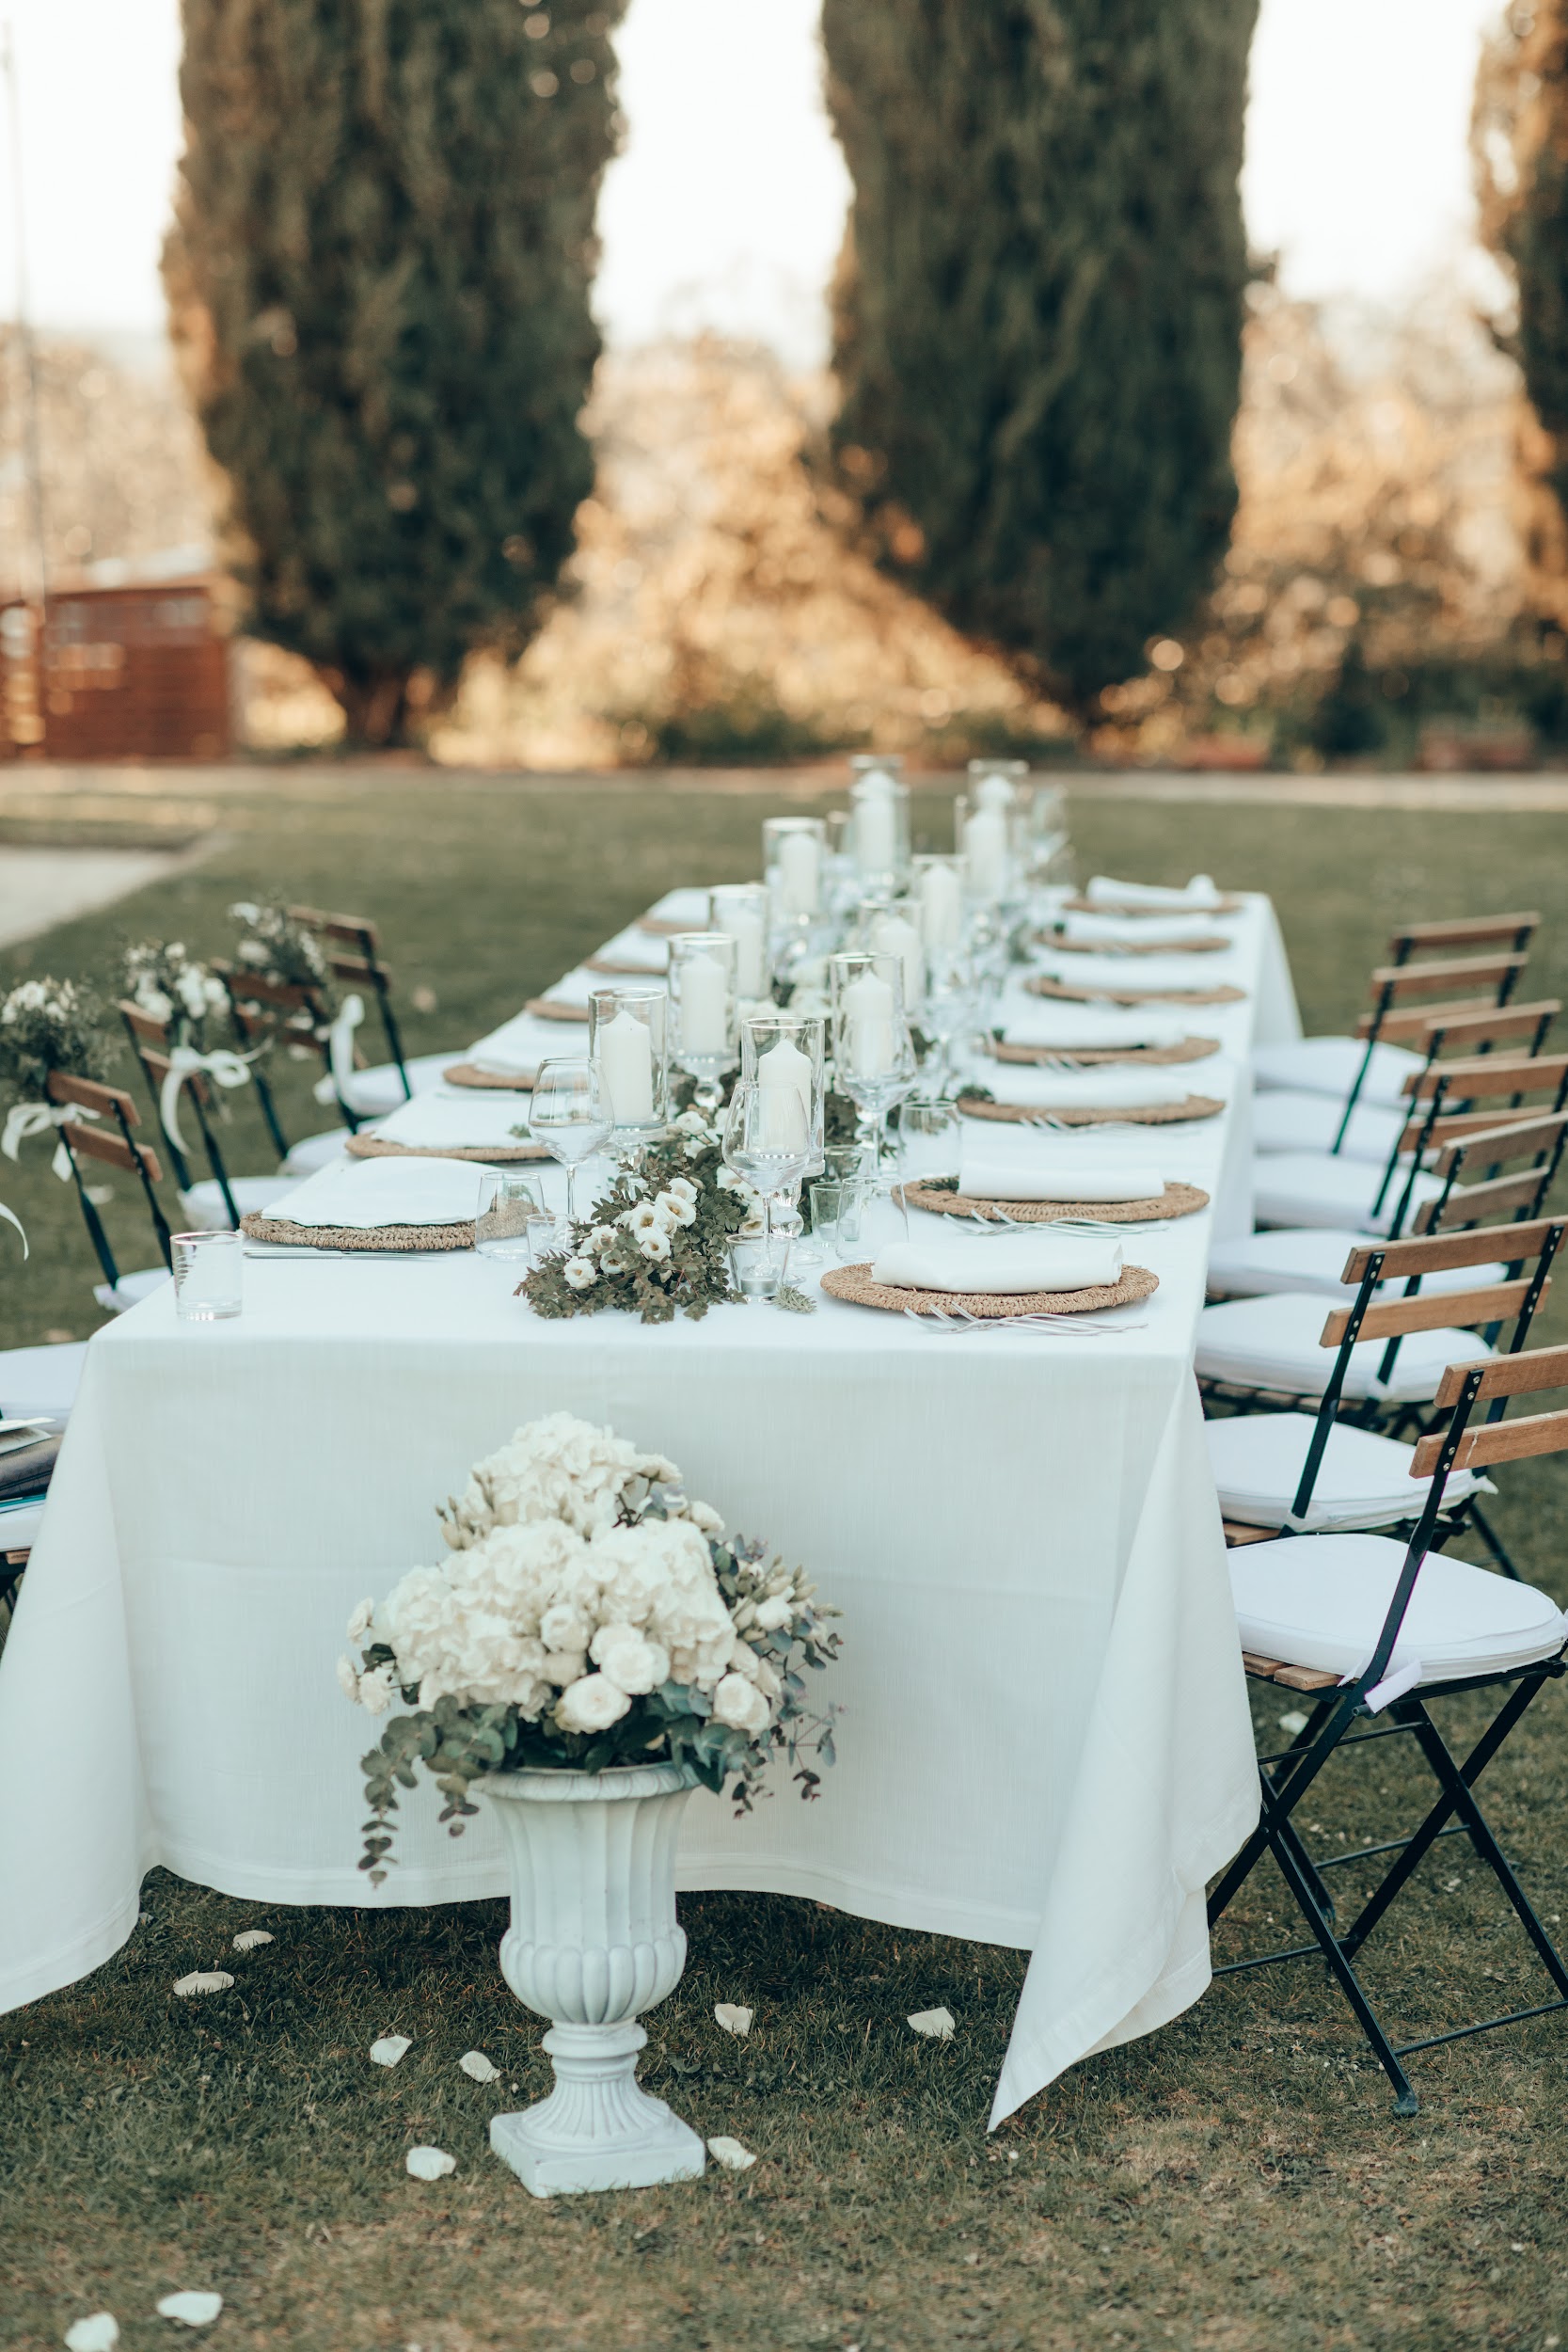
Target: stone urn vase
[(594, 1940)]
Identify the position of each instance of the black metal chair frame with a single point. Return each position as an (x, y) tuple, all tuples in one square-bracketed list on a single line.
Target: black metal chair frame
[(364, 969), (138, 1156), (1287, 1775), (196, 1091), (1388, 977)]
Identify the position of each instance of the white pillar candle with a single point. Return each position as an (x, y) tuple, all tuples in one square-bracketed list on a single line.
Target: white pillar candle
[(995, 792), (745, 927), (867, 1004), (704, 1005), (626, 1059), (940, 907), (799, 872), (784, 1085), (986, 852), (876, 827), (893, 936)]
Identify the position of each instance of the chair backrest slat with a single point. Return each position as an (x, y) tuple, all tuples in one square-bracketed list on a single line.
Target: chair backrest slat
[(357, 930), (362, 975), (1400, 982), (1433, 1311), (1462, 931), (1412, 1022), (98, 1143), (108, 1101), (1507, 1376), (1496, 1441), (1430, 1133), (1459, 1032), (1489, 1074), (1472, 1204), (253, 987), (1519, 1138), (1401, 1259)]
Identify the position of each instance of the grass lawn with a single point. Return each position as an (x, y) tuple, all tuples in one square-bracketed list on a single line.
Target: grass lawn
[(1236, 2181)]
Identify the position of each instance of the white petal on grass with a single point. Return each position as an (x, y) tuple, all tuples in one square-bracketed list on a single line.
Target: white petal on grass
[(1293, 1723), (203, 1980), (731, 2154), (250, 1939), (390, 2047), (478, 2067), (935, 2023), (430, 2164), (734, 2018), (97, 2333), (195, 2308)]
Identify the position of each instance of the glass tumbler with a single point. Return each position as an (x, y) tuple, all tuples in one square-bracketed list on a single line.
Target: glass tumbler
[(837, 1213), (507, 1203), (208, 1276)]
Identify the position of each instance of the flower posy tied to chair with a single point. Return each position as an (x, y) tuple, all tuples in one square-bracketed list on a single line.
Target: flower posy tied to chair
[(591, 1616), (173, 987), (47, 1026)]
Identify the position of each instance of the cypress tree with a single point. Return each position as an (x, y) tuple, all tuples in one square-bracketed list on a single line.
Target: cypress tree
[(1038, 324), (378, 278)]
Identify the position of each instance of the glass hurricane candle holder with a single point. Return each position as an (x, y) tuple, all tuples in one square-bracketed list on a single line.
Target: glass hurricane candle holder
[(767, 1142), (794, 854), (740, 911), (938, 891), (879, 827), (784, 1053), (704, 1032), (873, 1051), (628, 1046), (997, 783)]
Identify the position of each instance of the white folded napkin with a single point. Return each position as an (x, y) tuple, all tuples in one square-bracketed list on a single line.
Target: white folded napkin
[(367, 1195), (682, 906), (448, 1122), (1013, 1263), (575, 988), (1107, 1085), (1106, 972), (1152, 930), (523, 1042), (1200, 892), (1086, 1027), (989, 1172), (645, 949)]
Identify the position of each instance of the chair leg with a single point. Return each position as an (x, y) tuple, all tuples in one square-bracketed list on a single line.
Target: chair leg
[(1457, 1780), (1405, 2100), (1297, 1770)]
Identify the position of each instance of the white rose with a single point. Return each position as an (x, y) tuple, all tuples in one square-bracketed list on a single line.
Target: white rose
[(348, 1678), (602, 1238), (580, 1274), (690, 1124), (737, 1703), (591, 1705), (564, 1665), (377, 1689), (678, 1209), (704, 1517), (773, 1613), (644, 1218), (682, 1189), (633, 1664), (655, 1247), (359, 1623)]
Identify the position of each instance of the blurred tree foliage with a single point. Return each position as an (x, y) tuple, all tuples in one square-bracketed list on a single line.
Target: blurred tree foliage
[(379, 280), (1038, 314)]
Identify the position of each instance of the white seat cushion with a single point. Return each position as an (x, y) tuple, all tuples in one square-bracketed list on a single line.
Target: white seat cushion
[(1285, 1120), (1275, 1343), (41, 1379), (19, 1525), (1310, 1188), (1327, 1065), (1313, 1259), (1320, 1602), (371, 1092), (205, 1208), (131, 1289), (315, 1151), (1363, 1480)]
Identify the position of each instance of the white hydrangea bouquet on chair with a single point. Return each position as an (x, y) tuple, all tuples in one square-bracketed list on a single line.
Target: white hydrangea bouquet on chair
[(595, 1649)]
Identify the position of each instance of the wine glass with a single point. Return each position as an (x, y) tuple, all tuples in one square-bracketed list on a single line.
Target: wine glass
[(951, 1009), (570, 1113), (767, 1140), (873, 1051)]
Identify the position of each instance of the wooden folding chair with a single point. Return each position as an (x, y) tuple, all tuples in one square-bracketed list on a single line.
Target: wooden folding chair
[(1280, 1469), (117, 1149), (1453, 1102), (1364, 1627), (269, 1013), (362, 967)]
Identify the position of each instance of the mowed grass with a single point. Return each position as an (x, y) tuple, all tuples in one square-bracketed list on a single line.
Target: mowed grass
[(1236, 2180)]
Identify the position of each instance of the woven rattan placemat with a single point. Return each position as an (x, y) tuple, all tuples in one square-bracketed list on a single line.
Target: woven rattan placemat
[(469, 1073), (620, 971), (1184, 1049), (487, 1154), (854, 1283), (1084, 993), (1140, 1115), (385, 1238), (1176, 1201), (551, 1009), (1119, 907), (1208, 945), (665, 926)]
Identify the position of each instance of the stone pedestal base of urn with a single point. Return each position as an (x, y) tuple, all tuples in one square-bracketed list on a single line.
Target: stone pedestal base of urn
[(593, 1939)]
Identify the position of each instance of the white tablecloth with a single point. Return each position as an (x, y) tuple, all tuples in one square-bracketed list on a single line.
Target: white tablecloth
[(1045, 1743)]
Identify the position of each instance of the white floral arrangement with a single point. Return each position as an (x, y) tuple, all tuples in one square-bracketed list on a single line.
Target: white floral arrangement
[(168, 984), (45, 1025), (591, 1615)]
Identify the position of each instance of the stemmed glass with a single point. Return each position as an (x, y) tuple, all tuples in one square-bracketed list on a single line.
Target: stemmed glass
[(570, 1113), (785, 1052), (873, 1051), (951, 1010), (767, 1140)]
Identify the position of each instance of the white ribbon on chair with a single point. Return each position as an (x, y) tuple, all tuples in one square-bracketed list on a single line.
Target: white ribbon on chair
[(339, 1051), (226, 1069), (36, 1119), (11, 1218)]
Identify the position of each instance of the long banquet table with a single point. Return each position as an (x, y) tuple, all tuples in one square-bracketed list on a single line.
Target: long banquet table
[(1045, 1742)]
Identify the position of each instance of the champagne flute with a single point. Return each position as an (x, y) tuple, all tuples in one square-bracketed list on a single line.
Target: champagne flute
[(571, 1114), (767, 1140)]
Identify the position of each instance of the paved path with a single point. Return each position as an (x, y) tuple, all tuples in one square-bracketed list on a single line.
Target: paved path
[(39, 888)]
